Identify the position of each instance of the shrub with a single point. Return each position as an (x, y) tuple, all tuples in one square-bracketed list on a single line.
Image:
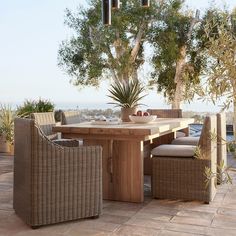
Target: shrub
[(7, 123), (34, 106)]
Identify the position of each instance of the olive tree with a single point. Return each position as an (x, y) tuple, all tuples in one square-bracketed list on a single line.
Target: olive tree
[(98, 52), (220, 31), (178, 54)]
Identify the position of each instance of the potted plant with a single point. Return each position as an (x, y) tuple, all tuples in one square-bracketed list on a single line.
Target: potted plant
[(127, 95), (6, 129)]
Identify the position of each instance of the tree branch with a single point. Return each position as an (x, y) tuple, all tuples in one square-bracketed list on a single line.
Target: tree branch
[(138, 39), (194, 21)]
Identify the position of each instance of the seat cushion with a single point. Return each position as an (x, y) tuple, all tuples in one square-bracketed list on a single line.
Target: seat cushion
[(186, 141), (169, 150), (180, 134)]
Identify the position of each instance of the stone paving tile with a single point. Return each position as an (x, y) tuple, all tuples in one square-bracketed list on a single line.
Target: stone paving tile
[(173, 233), (186, 228), (226, 211), (166, 210), (191, 220), (128, 230), (149, 223), (151, 216), (199, 206), (10, 224), (225, 222), (86, 232), (196, 214), (118, 212), (174, 204), (116, 219), (220, 232), (96, 225)]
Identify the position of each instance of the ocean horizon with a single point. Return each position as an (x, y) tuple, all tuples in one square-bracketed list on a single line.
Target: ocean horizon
[(102, 105)]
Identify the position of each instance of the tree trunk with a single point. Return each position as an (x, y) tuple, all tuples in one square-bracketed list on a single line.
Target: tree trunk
[(179, 90), (181, 62)]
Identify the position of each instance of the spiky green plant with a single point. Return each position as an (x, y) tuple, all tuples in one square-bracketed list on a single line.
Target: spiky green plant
[(7, 123), (126, 94)]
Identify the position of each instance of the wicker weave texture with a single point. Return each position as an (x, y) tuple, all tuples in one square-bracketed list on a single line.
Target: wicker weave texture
[(221, 142), (70, 117), (183, 178), (53, 183), (166, 113), (46, 121)]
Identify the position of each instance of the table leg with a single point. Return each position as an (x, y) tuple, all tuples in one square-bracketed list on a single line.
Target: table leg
[(123, 181)]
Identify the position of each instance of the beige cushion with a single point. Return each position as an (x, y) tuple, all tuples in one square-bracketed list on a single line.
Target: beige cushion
[(186, 141), (170, 150), (180, 134)]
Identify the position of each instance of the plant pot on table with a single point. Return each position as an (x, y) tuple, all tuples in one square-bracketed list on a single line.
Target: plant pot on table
[(126, 112)]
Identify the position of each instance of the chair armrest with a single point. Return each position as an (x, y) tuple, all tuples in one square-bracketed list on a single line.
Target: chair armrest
[(67, 142)]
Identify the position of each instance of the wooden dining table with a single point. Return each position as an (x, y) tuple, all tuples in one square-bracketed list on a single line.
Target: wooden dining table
[(125, 145)]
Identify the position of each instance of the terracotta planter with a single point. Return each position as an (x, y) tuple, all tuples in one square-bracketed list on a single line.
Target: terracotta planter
[(4, 145), (12, 149), (126, 111)]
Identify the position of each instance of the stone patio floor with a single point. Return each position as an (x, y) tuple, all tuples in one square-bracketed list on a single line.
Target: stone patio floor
[(153, 217)]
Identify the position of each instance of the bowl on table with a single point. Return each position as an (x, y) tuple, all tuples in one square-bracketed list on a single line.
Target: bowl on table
[(142, 119)]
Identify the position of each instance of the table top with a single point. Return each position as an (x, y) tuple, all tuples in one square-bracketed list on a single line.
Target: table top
[(160, 125)]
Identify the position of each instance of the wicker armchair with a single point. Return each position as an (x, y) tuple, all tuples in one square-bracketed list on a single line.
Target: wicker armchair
[(221, 142), (161, 113), (169, 113), (70, 117), (53, 183), (166, 113), (46, 121), (178, 174)]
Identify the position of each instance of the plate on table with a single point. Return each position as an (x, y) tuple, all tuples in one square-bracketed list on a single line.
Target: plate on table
[(105, 122), (142, 119)]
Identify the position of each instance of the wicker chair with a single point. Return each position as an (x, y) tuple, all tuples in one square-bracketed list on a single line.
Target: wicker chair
[(70, 117), (221, 144), (160, 113), (177, 174), (46, 121), (166, 113), (53, 183)]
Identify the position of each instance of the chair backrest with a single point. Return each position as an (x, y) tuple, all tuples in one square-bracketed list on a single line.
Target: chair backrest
[(166, 113), (70, 117), (221, 139), (46, 121), (207, 141), (22, 163)]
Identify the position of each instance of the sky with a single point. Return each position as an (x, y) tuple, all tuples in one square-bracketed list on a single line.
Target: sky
[(31, 32)]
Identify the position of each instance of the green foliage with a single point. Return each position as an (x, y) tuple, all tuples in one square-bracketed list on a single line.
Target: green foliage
[(97, 52), (34, 106), (170, 37), (7, 123), (220, 36), (126, 93), (222, 175)]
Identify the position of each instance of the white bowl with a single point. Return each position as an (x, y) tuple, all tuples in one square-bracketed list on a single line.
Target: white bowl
[(142, 119)]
